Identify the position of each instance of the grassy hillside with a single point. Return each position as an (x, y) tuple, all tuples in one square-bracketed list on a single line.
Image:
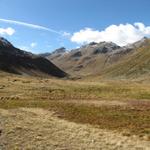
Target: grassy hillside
[(135, 65)]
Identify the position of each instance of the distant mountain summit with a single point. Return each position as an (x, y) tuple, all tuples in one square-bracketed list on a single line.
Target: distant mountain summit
[(17, 61), (55, 54), (60, 50), (102, 47)]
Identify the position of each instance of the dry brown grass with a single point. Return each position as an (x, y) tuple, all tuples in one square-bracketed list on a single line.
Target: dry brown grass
[(37, 129), (114, 105)]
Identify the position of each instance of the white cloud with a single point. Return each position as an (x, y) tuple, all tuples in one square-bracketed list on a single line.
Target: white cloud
[(120, 34), (7, 31), (33, 44), (29, 25)]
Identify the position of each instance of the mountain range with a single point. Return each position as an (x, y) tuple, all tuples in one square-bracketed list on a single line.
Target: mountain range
[(104, 59)]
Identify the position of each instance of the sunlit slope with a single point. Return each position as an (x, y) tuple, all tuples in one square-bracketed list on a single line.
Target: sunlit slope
[(132, 66)]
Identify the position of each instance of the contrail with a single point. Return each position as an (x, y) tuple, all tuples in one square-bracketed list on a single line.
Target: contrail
[(29, 25)]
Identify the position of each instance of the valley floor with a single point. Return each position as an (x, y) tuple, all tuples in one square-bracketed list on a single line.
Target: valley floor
[(37, 113)]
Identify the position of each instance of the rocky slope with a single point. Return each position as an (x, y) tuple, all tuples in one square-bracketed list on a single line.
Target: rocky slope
[(82, 61)]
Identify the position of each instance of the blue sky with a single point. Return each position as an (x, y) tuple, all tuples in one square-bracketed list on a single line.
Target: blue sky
[(83, 21)]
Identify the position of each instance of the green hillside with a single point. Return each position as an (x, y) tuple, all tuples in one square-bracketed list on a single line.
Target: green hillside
[(132, 66)]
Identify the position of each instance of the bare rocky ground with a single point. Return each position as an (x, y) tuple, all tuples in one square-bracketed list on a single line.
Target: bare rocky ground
[(39, 129)]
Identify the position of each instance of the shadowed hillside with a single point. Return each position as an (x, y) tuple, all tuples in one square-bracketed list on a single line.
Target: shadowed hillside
[(14, 60)]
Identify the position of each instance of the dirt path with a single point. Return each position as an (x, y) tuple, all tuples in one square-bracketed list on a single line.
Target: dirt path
[(40, 130)]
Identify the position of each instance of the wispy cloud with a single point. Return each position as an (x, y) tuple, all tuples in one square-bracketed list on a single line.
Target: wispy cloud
[(29, 25)]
